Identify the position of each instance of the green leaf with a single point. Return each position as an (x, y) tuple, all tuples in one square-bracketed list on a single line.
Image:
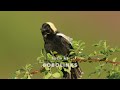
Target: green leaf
[(112, 50), (99, 74), (60, 68), (38, 58), (47, 68), (71, 53), (67, 69), (54, 52), (56, 75), (95, 53), (114, 59), (25, 76), (29, 77), (16, 78), (49, 55), (47, 76), (18, 72), (102, 52), (61, 73), (28, 67), (105, 45)]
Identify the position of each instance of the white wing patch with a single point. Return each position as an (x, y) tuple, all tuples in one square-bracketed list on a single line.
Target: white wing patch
[(52, 26), (66, 37)]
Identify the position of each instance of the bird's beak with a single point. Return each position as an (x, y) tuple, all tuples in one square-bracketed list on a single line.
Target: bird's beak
[(42, 30)]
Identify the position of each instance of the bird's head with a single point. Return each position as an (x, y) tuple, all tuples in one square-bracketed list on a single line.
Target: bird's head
[(48, 28)]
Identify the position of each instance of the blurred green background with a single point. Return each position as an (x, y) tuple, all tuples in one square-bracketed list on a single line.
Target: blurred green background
[(21, 40)]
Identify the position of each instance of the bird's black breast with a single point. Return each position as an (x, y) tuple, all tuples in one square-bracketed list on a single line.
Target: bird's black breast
[(58, 44)]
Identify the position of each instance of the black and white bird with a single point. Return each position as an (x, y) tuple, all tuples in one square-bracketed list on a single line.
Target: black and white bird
[(62, 44)]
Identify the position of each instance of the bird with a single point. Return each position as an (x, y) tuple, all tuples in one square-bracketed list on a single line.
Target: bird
[(54, 40)]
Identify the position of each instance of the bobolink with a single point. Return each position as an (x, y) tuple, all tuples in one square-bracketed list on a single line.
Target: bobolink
[(56, 41)]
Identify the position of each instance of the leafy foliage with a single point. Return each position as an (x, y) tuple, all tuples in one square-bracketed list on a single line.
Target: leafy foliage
[(24, 72), (51, 66)]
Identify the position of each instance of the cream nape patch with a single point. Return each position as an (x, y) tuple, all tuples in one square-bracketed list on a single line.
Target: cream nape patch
[(52, 26)]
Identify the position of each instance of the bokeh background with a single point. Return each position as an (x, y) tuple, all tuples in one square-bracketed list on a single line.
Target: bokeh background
[(21, 39)]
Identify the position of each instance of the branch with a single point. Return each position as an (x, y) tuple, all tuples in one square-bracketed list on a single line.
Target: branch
[(36, 71), (82, 60), (96, 60)]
